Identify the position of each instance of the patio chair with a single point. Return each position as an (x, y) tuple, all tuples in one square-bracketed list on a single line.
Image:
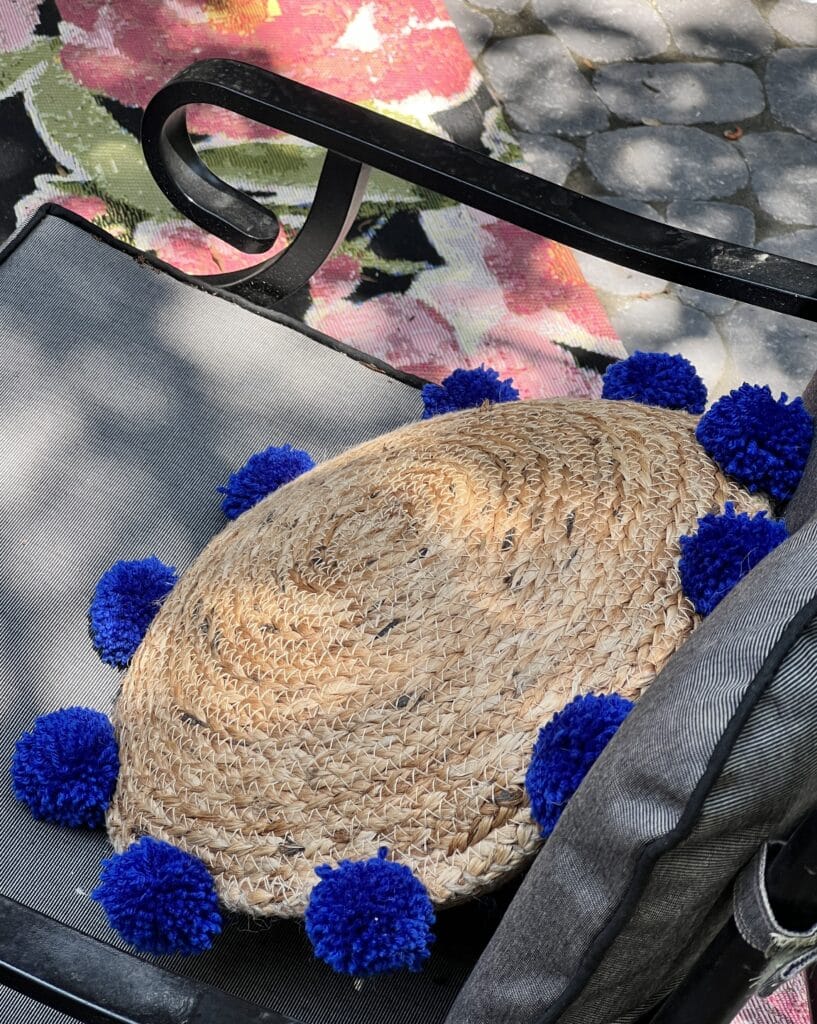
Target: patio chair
[(681, 876)]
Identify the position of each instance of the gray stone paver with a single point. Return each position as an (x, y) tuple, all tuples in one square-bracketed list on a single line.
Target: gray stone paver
[(541, 87), (662, 323), (605, 30), (665, 163), (475, 27), (783, 167), (771, 348), (613, 279), (685, 122), (721, 29), (796, 21), (800, 245), (712, 305), (683, 93), (791, 83), (718, 220), (501, 6), (549, 157)]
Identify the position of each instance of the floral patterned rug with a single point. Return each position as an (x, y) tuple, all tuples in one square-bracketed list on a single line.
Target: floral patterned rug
[(422, 282), (789, 1005)]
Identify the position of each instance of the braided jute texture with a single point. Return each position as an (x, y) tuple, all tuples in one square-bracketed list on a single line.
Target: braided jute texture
[(366, 656)]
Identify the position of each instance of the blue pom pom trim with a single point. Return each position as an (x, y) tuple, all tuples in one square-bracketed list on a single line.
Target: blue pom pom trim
[(467, 389), (656, 378), (724, 549), (761, 441), (565, 751), (159, 899), (65, 769), (368, 917), (125, 602), (262, 474)]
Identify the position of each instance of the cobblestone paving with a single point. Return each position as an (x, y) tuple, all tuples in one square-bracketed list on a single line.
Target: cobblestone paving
[(700, 113)]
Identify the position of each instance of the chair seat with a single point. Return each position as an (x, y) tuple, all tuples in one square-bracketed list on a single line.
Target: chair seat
[(127, 395)]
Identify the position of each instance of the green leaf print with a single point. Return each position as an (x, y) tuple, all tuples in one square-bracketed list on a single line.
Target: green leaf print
[(18, 63), (82, 134)]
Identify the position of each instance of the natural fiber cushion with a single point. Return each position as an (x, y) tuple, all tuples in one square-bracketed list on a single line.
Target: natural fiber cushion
[(366, 656)]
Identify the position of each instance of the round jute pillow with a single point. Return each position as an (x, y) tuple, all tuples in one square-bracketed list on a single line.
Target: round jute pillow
[(365, 657)]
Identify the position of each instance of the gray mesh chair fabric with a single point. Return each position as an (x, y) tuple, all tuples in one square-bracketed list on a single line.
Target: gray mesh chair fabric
[(719, 756), (126, 397)]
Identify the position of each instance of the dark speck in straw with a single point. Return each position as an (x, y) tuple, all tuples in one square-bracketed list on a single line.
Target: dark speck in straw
[(187, 717), (387, 628)]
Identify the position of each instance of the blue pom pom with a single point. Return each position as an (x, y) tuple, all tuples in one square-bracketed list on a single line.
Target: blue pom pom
[(656, 378), (159, 898), (263, 473), (722, 552), (565, 751), (467, 389), (125, 603), (761, 441), (370, 916), (65, 769)]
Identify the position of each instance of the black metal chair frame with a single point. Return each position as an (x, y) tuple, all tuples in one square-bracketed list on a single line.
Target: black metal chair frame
[(97, 983)]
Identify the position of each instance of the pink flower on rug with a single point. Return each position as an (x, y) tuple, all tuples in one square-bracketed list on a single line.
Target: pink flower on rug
[(404, 331), (336, 279), (194, 251), (536, 273), (470, 311), (20, 19), (520, 348), (416, 337), (88, 207), (359, 49), (788, 1005)]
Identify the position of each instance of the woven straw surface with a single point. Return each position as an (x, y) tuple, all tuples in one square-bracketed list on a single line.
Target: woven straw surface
[(366, 656)]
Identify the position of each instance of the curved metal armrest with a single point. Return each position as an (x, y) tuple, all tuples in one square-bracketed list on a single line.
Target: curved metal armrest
[(228, 213), (363, 138)]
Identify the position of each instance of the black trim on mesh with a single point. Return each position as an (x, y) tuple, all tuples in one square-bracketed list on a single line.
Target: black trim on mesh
[(55, 210)]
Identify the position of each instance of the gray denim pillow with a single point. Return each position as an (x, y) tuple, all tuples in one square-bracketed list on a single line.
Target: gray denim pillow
[(715, 759)]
